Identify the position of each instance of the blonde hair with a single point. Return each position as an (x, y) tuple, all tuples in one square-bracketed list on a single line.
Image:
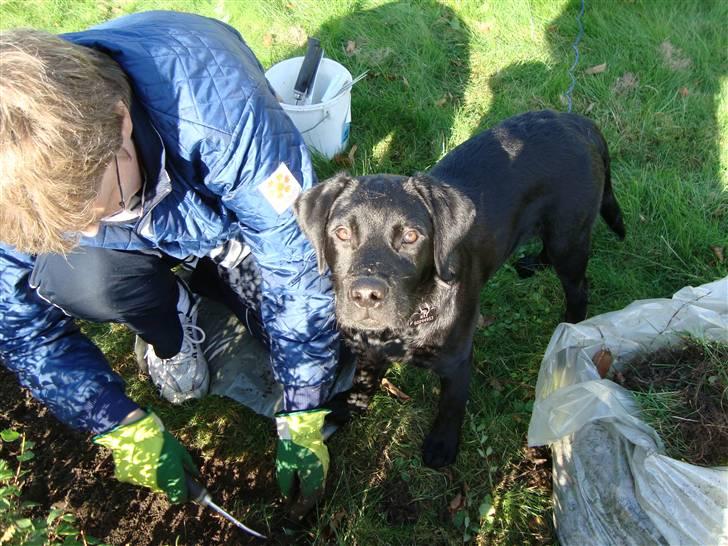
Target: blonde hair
[(60, 127)]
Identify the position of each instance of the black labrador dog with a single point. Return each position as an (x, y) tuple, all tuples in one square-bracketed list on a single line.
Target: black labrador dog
[(409, 255)]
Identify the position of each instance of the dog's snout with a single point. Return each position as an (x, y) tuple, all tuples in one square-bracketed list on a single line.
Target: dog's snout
[(368, 292)]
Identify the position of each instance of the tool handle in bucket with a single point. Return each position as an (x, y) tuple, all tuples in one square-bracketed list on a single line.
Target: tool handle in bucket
[(309, 68)]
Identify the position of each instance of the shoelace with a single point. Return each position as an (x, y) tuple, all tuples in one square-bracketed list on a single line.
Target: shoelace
[(192, 336)]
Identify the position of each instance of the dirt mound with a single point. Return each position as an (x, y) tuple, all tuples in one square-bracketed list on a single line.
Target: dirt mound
[(682, 392)]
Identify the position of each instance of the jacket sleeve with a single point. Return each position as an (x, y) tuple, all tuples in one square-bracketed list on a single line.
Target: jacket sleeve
[(297, 306), (52, 358)]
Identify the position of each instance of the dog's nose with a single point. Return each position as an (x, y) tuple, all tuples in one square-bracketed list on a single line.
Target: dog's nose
[(368, 292)]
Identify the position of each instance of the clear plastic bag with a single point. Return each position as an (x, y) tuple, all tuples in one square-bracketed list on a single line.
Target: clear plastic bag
[(612, 482)]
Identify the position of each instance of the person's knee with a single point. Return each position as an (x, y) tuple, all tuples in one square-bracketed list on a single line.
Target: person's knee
[(84, 284)]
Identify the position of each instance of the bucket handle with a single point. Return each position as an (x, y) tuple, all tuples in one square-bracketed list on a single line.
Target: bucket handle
[(326, 116)]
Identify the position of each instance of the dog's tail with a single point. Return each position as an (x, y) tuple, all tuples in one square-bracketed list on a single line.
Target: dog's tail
[(610, 210)]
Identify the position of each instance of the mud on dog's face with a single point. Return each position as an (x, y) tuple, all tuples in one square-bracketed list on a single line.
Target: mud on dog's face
[(383, 242)]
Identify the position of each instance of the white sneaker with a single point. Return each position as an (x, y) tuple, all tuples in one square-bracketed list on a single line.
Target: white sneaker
[(184, 376)]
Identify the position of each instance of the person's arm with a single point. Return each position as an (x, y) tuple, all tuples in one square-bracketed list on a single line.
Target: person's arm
[(52, 358), (258, 175)]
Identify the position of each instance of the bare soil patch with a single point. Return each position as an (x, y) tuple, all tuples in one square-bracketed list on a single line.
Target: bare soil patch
[(70, 471)]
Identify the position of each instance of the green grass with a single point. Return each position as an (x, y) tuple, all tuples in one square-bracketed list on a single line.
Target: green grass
[(488, 60)]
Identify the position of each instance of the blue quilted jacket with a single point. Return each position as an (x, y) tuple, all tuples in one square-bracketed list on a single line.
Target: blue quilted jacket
[(209, 133)]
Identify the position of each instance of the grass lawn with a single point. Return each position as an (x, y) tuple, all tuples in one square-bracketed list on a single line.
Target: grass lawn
[(439, 73)]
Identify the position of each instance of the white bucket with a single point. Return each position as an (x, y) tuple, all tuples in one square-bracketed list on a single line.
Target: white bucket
[(324, 125)]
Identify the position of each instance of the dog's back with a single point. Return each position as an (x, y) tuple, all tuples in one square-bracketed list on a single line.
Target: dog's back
[(530, 172)]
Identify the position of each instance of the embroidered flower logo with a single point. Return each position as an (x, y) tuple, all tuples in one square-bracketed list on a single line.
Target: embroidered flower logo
[(280, 189)]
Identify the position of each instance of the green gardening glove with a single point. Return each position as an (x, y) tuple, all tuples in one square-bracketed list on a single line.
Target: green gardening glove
[(145, 454), (302, 455)]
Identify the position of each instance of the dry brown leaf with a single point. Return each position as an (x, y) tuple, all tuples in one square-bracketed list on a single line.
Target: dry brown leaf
[(336, 518), (268, 40), (342, 159), (350, 48), (684, 92), (603, 361), (596, 69), (391, 389), (718, 251), (456, 504), (352, 153)]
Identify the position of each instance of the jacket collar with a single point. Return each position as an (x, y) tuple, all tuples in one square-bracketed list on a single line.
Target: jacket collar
[(152, 155)]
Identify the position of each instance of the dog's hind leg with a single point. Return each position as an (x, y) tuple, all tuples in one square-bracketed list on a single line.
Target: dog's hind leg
[(528, 265), (569, 259)]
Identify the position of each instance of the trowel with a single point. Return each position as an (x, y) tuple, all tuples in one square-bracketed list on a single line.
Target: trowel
[(200, 495)]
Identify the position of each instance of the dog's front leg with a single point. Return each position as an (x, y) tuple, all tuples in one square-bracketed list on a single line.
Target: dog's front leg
[(440, 448)]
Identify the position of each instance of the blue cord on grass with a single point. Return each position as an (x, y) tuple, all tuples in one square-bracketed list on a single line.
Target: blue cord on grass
[(575, 47)]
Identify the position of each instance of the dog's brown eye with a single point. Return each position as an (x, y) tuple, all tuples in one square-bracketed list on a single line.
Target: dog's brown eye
[(410, 236), (342, 233)]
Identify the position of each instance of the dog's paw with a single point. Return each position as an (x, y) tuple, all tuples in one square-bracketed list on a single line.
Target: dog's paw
[(439, 450)]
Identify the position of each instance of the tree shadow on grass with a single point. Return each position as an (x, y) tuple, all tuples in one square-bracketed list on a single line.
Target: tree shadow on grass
[(657, 104)]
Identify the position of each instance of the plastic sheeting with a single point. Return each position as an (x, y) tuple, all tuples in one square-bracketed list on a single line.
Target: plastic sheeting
[(240, 365), (612, 482)]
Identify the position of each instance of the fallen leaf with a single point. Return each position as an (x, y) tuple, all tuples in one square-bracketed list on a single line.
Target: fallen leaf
[(447, 473), (350, 48), (342, 159), (684, 92), (391, 389), (440, 103), (268, 40), (643, 219), (336, 518), (456, 504), (590, 107), (352, 153), (603, 361), (495, 384), (718, 251), (405, 82), (596, 69)]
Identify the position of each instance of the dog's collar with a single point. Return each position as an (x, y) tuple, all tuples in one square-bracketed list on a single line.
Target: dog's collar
[(428, 311), (425, 313)]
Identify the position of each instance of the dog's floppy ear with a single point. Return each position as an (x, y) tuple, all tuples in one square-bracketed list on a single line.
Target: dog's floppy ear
[(452, 215), (312, 212)]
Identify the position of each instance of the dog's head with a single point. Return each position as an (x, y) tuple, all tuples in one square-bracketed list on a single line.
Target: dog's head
[(386, 240)]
